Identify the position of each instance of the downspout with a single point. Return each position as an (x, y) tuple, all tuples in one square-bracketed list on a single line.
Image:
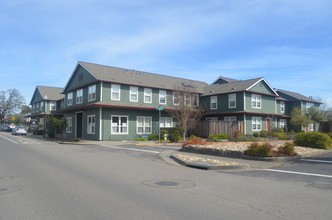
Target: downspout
[(100, 124), (244, 114)]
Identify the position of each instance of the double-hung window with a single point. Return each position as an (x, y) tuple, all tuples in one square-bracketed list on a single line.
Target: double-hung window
[(79, 96), (256, 101), (166, 122), (70, 98), (119, 124), (115, 92), (52, 105), (282, 106), (187, 99), (69, 127), (92, 93), (256, 123), (133, 94), (144, 125), (230, 118), (147, 95), (232, 101), (162, 97), (213, 102), (41, 106), (283, 123), (176, 98), (91, 124)]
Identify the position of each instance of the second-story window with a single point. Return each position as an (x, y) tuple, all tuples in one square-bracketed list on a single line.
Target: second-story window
[(52, 105), (92, 93), (282, 106), (70, 98), (41, 106), (162, 97), (256, 101), (147, 95), (232, 101), (133, 94), (79, 96), (187, 99), (115, 92), (213, 102), (176, 98)]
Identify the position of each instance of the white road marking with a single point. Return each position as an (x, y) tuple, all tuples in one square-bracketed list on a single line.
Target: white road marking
[(9, 139), (132, 149), (319, 161), (299, 173), (26, 139)]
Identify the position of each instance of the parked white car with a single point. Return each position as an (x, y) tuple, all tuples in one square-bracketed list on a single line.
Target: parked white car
[(19, 130)]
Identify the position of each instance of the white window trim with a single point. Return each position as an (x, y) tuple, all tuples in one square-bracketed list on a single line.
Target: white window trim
[(79, 99), (90, 125), (52, 104), (163, 123), (282, 107), (69, 127), (211, 119), (117, 86), (230, 118), (147, 93), (256, 121), (119, 116), (216, 102), (162, 94), (230, 99), (70, 98), (187, 99), (92, 90), (283, 122), (256, 99), (133, 91), (176, 96), (144, 125)]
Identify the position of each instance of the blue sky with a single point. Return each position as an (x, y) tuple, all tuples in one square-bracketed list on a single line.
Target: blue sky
[(287, 42)]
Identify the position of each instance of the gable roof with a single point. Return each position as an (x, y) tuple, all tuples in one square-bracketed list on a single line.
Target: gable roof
[(235, 86), (296, 96), (222, 80), (139, 78), (48, 93)]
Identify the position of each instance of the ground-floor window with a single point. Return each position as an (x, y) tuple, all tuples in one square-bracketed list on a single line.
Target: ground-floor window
[(69, 127), (119, 124), (211, 119), (91, 124), (311, 127), (283, 123), (230, 118), (144, 125), (256, 123), (166, 122)]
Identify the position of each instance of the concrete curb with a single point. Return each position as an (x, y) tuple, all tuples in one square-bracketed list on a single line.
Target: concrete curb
[(207, 165)]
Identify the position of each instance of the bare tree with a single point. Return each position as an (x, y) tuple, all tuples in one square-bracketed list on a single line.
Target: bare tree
[(10, 102), (184, 108)]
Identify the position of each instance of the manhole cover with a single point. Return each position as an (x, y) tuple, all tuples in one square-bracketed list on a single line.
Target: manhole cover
[(166, 183), (169, 183)]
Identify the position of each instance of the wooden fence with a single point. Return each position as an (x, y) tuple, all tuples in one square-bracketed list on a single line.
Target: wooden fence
[(205, 128)]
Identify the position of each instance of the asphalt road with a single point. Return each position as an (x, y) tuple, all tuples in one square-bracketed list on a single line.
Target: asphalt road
[(45, 180)]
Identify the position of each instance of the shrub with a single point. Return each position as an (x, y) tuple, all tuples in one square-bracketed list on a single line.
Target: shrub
[(256, 134), (154, 137), (217, 137), (260, 150), (237, 135), (288, 149), (281, 135), (140, 139), (194, 141), (313, 140), (263, 133), (175, 135)]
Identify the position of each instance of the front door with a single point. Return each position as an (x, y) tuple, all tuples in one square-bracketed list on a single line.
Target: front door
[(79, 125), (268, 124)]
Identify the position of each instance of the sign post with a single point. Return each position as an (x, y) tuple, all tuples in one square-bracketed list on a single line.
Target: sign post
[(160, 108)]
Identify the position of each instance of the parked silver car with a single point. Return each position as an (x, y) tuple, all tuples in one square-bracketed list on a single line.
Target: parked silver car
[(19, 130)]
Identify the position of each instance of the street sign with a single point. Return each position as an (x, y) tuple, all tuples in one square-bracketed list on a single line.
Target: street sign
[(160, 108)]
